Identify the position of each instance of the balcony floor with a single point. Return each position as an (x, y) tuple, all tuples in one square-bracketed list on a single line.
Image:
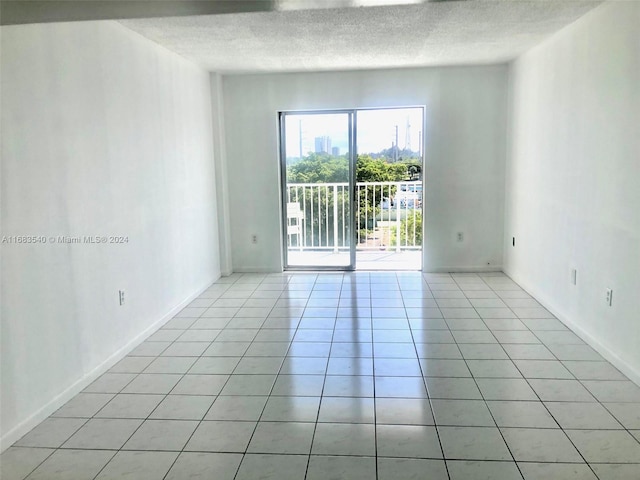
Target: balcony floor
[(365, 259)]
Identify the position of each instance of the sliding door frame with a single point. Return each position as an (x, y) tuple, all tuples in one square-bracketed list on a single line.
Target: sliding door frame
[(423, 162), (353, 158), (351, 115)]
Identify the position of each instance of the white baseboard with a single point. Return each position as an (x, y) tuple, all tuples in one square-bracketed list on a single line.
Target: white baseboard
[(256, 270), (632, 373), (476, 269), (488, 268), (25, 426)]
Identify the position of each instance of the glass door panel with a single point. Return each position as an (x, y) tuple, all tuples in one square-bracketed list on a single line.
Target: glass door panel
[(389, 199), (317, 189)]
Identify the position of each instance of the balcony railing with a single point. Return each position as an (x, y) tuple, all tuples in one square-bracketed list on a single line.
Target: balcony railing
[(388, 216)]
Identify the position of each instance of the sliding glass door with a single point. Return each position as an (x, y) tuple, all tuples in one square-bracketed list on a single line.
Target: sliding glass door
[(352, 180), (317, 155)]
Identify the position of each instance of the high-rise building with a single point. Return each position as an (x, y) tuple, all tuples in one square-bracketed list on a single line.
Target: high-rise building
[(335, 151), (323, 144)]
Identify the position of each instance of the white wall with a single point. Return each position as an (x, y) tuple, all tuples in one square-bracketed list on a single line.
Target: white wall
[(465, 154), (103, 133), (573, 177)]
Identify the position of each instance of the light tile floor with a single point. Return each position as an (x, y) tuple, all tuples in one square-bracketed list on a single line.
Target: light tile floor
[(387, 375)]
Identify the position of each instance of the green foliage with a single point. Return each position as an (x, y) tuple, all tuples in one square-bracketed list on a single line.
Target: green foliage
[(414, 168), (377, 170), (325, 168), (319, 225), (410, 229), (319, 168)]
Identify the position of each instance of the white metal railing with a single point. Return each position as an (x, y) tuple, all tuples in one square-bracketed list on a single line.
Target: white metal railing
[(388, 216)]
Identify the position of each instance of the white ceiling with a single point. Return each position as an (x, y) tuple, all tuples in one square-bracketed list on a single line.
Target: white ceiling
[(427, 34)]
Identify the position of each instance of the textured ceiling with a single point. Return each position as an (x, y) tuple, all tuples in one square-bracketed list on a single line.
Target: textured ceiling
[(428, 34)]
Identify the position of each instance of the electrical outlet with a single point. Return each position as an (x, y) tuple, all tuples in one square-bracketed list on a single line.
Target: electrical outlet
[(609, 297), (254, 238), (121, 297), (460, 236), (574, 276)]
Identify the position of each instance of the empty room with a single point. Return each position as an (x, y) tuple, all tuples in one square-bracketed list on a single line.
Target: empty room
[(320, 239)]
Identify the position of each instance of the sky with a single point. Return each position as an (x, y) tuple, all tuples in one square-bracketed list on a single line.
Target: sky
[(375, 130)]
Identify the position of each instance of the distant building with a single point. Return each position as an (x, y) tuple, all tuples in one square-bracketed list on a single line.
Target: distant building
[(323, 144), (335, 151)]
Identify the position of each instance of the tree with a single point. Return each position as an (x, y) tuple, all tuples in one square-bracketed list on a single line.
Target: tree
[(319, 168), (410, 230), (324, 168), (377, 170)]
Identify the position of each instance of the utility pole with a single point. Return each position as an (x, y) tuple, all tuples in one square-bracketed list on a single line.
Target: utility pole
[(300, 139), (395, 150), (407, 136)]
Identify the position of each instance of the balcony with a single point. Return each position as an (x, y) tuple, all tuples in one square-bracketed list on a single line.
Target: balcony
[(388, 224)]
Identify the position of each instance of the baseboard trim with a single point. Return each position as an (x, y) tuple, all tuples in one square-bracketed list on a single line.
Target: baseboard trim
[(27, 425), (256, 270), (605, 351), (488, 268)]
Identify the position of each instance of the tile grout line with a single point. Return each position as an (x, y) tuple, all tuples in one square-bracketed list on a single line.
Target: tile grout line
[(182, 451), (315, 426), (537, 395), (291, 341), (179, 453), (545, 405), (480, 391), (373, 366), (424, 382)]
